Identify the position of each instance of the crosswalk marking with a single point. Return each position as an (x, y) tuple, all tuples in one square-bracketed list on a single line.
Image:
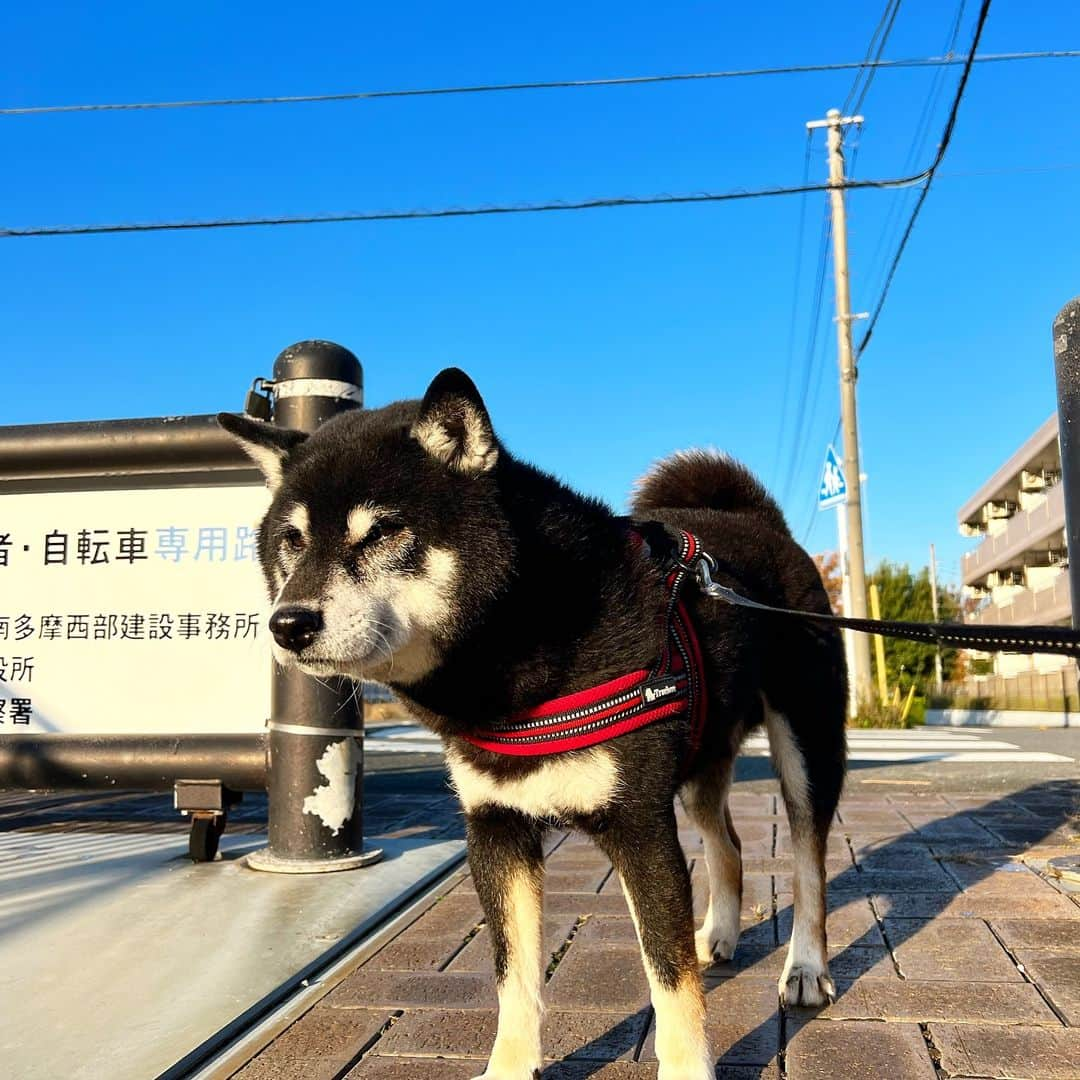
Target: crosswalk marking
[(924, 745), (914, 745), (871, 746)]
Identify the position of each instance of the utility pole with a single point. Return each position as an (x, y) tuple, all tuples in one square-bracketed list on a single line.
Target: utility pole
[(938, 678), (834, 124)]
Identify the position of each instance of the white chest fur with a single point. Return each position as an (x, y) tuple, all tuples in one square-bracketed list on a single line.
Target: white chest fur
[(580, 783)]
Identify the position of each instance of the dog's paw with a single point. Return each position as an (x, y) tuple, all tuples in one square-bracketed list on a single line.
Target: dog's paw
[(808, 985), (712, 950), (524, 1073), (511, 1067), (513, 1058), (705, 1071)]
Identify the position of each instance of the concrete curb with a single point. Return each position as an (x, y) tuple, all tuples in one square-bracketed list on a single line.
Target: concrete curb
[(1018, 718)]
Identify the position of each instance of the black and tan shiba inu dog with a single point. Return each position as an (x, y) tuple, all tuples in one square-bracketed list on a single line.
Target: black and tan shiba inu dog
[(408, 546)]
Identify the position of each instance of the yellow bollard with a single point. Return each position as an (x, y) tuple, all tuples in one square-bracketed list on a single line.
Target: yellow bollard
[(907, 704), (879, 646)]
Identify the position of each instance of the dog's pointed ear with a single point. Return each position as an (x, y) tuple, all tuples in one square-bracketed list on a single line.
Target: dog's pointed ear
[(454, 426), (268, 446)]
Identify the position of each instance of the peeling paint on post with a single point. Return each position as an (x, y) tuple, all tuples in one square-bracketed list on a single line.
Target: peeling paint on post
[(334, 802)]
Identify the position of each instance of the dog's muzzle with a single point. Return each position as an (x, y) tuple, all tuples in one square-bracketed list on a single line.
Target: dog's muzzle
[(295, 628)]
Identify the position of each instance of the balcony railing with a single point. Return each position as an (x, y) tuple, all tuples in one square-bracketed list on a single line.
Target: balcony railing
[(1024, 530), (1041, 606)]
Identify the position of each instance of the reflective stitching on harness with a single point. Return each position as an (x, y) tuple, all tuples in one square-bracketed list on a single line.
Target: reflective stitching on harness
[(579, 714)]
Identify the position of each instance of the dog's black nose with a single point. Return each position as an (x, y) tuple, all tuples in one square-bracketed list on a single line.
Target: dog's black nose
[(295, 628)]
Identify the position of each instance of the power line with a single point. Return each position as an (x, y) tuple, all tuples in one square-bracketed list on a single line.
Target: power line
[(884, 29), (811, 387), (821, 365), (451, 211), (811, 351), (943, 146), (814, 508), (922, 128), (821, 263), (917, 143), (864, 66), (871, 69), (560, 84), (793, 315), (900, 207), (526, 208), (817, 368), (916, 147), (931, 172), (878, 39)]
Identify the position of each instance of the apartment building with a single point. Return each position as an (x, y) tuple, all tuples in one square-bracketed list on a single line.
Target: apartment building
[(1018, 568)]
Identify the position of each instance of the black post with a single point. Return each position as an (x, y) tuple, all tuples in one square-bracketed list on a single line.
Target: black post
[(1067, 367), (316, 727)]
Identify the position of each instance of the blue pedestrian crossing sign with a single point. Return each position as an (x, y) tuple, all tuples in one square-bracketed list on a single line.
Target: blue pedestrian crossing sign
[(833, 489)]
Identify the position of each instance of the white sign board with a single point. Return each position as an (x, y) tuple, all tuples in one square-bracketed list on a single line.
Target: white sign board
[(833, 487), (138, 611)]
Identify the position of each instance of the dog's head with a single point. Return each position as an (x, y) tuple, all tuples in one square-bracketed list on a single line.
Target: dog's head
[(384, 538)]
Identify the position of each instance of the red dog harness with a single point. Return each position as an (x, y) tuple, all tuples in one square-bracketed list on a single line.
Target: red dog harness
[(674, 684)]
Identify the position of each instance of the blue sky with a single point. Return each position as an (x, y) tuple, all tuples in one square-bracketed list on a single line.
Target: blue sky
[(601, 340)]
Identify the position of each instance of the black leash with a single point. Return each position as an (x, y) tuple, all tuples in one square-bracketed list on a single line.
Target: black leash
[(1060, 640)]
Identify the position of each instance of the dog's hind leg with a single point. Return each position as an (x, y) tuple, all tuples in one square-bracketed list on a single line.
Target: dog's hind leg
[(507, 862), (705, 799), (811, 790), (651, 865)]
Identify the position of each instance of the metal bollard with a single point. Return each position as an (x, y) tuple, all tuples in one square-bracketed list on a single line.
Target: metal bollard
[(316, 746), (1067, 368)]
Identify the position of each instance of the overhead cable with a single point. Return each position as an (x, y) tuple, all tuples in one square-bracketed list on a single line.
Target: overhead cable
[(943, 146), (450, 211), (868, 67), (555, 84)]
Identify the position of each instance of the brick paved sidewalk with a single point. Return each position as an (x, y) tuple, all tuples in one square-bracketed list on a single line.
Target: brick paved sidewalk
[(953, 955)]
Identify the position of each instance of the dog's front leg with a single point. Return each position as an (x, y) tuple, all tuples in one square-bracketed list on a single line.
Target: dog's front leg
[(655, 880), (507, 861)]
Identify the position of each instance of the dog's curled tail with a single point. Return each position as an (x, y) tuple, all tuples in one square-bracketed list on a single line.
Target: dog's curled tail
[(704, 479)]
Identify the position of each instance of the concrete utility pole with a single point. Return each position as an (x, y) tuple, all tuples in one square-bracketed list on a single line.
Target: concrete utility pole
[(938, 678), (834, 123)]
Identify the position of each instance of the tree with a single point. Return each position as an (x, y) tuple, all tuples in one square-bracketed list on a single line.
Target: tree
[(828, 564), (906, 597)]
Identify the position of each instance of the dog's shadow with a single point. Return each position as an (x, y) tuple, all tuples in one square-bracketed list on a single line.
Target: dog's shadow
[(759, 1051)]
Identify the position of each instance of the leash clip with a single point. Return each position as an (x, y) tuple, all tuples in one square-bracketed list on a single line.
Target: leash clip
[(703, 568)]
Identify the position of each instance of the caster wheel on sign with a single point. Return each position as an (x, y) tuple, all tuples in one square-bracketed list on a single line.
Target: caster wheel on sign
[(205, 834)]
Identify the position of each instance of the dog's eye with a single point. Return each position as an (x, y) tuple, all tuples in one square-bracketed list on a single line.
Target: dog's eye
[(379, 530), (294, 539)]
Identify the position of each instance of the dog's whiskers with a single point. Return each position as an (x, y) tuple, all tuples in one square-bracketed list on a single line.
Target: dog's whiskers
[(386, 649)]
